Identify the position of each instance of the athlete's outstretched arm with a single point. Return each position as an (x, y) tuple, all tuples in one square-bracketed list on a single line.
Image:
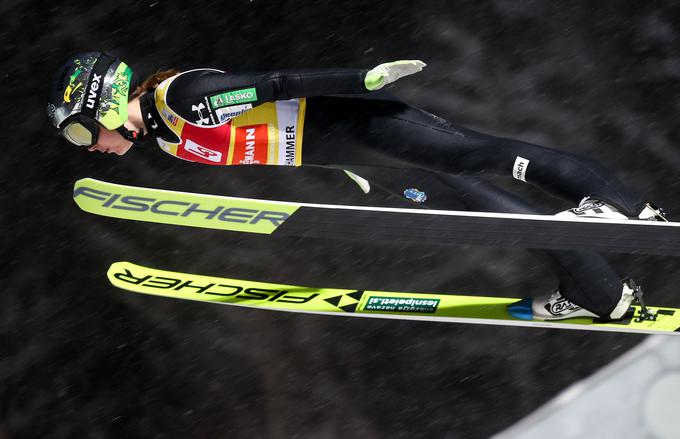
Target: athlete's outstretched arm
[(307, 83), (289, 84), (286, 84)]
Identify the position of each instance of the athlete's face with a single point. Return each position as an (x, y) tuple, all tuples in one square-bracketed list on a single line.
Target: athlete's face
[(111, 142)]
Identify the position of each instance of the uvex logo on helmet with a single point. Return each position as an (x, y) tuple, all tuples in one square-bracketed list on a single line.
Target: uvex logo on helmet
[(92, 93)]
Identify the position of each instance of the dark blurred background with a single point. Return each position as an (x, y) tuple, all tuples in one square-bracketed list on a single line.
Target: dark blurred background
[(80, 358)]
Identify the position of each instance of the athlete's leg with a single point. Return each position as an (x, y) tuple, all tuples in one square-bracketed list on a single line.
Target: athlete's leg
[(353, 130), (585, 278)]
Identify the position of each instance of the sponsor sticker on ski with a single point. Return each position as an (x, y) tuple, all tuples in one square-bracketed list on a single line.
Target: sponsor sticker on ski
[(401, 304)]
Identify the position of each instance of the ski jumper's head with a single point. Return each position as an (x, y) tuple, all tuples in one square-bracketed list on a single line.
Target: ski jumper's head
[(88, 102)]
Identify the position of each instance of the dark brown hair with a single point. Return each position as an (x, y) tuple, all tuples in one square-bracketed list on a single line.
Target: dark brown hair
[(152, 82)]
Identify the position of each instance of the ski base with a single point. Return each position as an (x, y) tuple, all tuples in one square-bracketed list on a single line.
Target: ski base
[(437, 307), (361, 223)]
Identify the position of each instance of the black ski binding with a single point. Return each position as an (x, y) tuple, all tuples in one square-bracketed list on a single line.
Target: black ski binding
[(645, 313)]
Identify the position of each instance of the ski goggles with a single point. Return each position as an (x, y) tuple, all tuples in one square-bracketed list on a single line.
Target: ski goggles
[(81, 130)]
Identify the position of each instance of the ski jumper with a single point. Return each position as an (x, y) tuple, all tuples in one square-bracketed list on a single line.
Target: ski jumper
[(328, 118)]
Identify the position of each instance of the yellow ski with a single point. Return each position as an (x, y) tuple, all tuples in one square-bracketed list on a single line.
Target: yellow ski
[(434, 306)]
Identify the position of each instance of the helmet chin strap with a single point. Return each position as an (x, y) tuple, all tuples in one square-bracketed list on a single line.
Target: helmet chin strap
[(132, 136)]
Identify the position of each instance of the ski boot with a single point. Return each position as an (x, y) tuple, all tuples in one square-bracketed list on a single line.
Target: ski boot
[(592, 208), (556, 307)]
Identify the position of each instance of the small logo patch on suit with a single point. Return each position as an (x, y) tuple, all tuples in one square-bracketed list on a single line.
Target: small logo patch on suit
[(202, 151), (415, 195), (519, 171)]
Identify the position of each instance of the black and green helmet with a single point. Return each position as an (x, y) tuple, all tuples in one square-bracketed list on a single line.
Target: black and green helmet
[(95, 85)]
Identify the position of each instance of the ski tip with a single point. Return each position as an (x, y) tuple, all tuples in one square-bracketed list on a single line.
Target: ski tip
[(86, 180), (522, 309)]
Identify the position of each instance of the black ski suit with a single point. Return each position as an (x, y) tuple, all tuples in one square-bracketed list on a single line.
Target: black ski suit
[(394, 145)]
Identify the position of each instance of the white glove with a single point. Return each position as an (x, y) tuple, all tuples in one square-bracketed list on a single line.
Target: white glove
[(387, 73)]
